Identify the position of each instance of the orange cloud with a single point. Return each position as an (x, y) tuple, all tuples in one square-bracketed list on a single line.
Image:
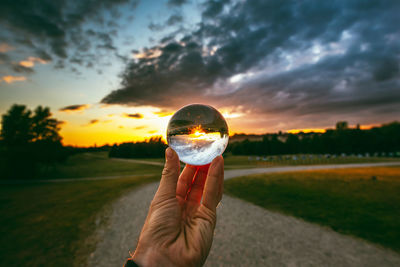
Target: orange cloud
[(150, 53), (12, 79), (73, 108), (4, 48), (163, 113), (30, 62)]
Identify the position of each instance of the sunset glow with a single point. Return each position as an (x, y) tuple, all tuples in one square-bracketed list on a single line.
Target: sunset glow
[(198, 133), (296, 131), (119, 74)]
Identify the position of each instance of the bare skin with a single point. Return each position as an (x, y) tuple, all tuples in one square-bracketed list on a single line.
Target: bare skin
[(179, 227)]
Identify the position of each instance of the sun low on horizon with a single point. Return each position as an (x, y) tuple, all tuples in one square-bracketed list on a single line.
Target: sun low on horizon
[(116, 71)]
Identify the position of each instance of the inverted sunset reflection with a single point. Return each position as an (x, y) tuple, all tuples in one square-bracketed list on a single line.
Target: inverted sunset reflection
[(198, 133)]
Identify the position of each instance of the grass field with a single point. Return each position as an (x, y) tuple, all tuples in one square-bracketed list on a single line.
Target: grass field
[(233, 162), (97, 164), (46, 224), (363, 202)]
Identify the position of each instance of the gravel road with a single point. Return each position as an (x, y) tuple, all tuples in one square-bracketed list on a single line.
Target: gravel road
[(245, 235)]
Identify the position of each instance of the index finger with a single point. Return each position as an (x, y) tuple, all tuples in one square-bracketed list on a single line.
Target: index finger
[(213, 188)]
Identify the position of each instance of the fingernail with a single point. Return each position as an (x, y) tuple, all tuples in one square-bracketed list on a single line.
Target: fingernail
[(168, 153)]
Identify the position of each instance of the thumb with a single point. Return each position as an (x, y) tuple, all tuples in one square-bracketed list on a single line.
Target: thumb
[(169, 178)]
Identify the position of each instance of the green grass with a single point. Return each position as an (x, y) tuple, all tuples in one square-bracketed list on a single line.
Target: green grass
[(241, 162), (47, 224), (349, 201), (97, 164), (159, 160), (233, 162)]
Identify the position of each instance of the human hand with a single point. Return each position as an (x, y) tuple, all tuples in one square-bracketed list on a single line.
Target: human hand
[(179, 227)]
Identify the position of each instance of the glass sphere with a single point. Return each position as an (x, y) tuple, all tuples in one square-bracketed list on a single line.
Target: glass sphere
[(198, 133)]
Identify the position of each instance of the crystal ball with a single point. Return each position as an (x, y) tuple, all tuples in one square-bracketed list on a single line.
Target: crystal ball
[(198, 133)]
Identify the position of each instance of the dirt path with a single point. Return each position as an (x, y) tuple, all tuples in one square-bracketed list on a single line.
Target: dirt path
[(246, 235)]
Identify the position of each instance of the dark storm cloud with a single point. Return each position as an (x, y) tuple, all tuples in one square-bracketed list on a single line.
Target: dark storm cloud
[(58, 29), (357, 45), (213, 8), (73, 108)]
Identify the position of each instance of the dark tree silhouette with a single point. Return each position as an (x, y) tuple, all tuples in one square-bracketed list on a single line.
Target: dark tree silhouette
[(16, 126), (44, 127), (29, 140), (152, 148), (383, 140)]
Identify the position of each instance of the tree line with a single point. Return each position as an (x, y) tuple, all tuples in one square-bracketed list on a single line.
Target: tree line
[(150, 148), (342, 139)]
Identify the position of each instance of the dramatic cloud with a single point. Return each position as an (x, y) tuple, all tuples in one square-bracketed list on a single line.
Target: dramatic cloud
[(133, 115), (73, 31), (74, 108), (275, 58), (11, 79)]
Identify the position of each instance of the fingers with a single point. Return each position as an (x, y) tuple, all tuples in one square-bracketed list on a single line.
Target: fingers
[(185, 181), (169, 178), (196, 190), (213, 188)]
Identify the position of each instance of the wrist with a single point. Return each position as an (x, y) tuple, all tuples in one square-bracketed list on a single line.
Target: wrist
[(150, 257)]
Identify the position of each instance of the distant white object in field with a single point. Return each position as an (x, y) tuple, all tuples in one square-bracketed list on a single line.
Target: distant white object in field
[(198, 133)]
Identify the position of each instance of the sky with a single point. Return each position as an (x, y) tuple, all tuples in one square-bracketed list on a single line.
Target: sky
[(116, 70)]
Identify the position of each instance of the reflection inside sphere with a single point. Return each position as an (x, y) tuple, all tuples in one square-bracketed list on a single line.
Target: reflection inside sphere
[(198, 133)]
